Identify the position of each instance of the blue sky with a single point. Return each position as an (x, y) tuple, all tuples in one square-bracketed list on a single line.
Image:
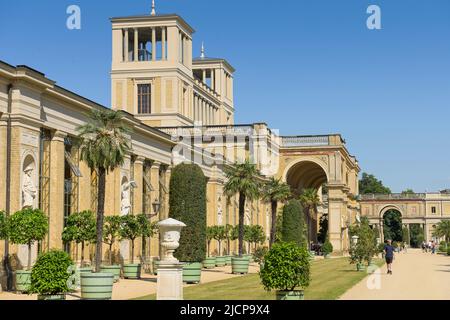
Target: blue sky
[(303, 66)]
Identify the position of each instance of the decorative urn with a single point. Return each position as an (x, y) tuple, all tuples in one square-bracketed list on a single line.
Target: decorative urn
[(170, 230)]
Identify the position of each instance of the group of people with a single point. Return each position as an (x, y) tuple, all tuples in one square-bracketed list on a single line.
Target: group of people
[(429, 246)]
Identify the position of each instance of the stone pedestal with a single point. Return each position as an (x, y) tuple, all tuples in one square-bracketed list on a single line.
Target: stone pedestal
[(170, 281), (125, 250)]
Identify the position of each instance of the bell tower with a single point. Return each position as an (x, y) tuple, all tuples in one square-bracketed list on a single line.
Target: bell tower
[(151, 72)]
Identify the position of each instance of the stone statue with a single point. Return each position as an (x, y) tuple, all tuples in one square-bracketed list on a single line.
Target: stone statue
[(125, 205), (358, 217), (247, 215), (29, 190), (219, 214)]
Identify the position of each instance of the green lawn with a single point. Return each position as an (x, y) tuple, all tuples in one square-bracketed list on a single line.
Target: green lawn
[(330, 278)]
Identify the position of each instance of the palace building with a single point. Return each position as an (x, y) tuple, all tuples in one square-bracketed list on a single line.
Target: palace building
[(168, 96)]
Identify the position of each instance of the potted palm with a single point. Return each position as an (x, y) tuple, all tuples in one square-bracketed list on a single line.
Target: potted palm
[(26, 227), (327, 249), (50, 275), (130, 229), (287, 270), (188, 204), (209, 262), (242, 179), (104, 144), (275, 191), (111, 230), (220, 235)]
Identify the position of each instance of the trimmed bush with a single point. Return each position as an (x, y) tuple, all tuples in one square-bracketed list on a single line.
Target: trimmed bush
[(26, 227), (130, 229), (327, 248), (51, 273), (80, 228), (259, 254), (111, 229), (293, 227), (286, 267), (187, 201), (3, 226)]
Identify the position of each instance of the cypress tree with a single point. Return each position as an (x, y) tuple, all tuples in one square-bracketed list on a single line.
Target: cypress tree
[(293, 227), (187, 201)]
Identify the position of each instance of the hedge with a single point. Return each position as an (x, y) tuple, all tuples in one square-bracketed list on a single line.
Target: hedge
[(187, 203), (293, 227)]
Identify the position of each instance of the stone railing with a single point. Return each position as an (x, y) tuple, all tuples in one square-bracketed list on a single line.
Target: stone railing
[(209, 130), (393, 196), (305, 141)]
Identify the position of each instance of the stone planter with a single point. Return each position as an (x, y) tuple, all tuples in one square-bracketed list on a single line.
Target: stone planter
[(221, 261), (23, 280), (51, 297), (239, 265), (114, 269), (209, 263), (192, 272), (96, 286), (290, 295), (132, 271)]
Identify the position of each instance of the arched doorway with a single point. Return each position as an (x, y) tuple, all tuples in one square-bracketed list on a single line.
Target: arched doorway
[(309, 175), (392, 225)]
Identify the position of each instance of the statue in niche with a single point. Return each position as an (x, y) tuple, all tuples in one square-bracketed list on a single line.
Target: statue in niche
[(29, 190), (125, 205), (247, 215), (219, 214)]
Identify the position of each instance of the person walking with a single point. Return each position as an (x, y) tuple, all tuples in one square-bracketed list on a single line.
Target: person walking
[(389, 255)]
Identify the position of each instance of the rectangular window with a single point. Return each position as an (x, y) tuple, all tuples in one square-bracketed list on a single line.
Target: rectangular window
[(144, 98), (433, 209)]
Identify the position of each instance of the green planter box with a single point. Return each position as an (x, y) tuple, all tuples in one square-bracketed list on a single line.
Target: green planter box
[(79, 272), (221, 261), (327, 256), (192, 272), (51, 297), (291, 295), (96, 286), (155, 267), (239, 265), (360, 267), (114, 269), (228, 260), (23, 280), (132, 271), (209, 263)]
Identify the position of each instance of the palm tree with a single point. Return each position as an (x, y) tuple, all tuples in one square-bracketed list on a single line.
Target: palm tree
[(243, 179), (310, 200), (443, 230), (104, 143), (275, 191)]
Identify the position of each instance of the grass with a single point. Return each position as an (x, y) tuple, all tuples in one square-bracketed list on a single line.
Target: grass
[(330, 279)]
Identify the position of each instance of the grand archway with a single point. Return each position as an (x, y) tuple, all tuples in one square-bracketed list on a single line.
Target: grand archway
[(305, 175), (392, 225)]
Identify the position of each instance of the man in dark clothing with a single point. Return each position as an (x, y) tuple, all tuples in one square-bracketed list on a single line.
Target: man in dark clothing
[(389, 254)]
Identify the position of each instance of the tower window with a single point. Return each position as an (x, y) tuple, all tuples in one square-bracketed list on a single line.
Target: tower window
[(144, 98), (433, 209)]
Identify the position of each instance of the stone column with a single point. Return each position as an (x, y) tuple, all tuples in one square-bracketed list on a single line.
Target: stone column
[(2, 166), (154, 44), (154, 180), (204, 76), (163, 43), (126, 55), (56, 222), (336, 209), (213, 86), (136, 44), (137, 197)]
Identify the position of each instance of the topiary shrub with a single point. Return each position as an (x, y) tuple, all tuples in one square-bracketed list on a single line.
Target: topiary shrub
[(293, 227), (3, 226), (256, 235), (80, 228), (187, 201), (111, 229), (26, 227), (259, 254), (286, 267), (51, 273), (327, 248), (130, 229)]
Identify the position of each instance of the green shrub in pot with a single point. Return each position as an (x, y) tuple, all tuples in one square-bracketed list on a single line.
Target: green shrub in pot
[(130, 229), (287, 270), (327, 248), (187, 203), (51, 274)]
